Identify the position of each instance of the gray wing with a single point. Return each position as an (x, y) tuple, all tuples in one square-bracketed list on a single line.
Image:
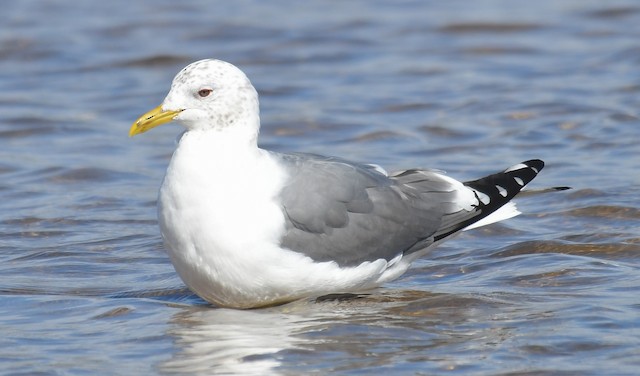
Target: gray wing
[(351, 213)]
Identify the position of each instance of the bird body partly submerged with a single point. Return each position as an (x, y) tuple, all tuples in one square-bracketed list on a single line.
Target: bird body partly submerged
[(246, 227)]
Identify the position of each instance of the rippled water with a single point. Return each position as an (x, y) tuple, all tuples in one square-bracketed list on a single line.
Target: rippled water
[(467, 87)]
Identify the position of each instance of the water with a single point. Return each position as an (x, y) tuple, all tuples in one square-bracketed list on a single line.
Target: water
[(469, 88)]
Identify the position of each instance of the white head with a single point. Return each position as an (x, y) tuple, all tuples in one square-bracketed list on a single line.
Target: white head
[(206, 95)]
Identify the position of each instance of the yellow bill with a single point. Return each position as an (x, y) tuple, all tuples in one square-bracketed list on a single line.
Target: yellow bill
[(152, 119)]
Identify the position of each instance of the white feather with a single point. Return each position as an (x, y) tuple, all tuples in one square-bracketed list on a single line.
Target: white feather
[(219, 209), (223, 238), (517, 167), (508, 210)]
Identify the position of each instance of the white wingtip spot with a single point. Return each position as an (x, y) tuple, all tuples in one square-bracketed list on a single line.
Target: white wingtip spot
[(519, 181), (519, 166), (534, 169), (485, 199), (502, 191)]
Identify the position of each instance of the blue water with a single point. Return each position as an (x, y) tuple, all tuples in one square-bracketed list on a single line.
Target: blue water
[(466, 87)]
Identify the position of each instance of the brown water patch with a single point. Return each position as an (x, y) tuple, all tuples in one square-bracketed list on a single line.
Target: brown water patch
[(606, 250), (498, 50), (441, 131), (155, 61), (488, 27), (115, 312), (378, 135), (606, 211), (89, 174), (403, 107), (614, 12), (586, 193)]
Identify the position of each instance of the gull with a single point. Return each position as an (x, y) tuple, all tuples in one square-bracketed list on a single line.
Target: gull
[(246, 227)]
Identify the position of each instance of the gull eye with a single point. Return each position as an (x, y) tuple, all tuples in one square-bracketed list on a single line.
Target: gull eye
[(204, 92)]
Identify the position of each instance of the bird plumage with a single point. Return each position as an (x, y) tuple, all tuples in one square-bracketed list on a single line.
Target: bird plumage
[(246, 227)]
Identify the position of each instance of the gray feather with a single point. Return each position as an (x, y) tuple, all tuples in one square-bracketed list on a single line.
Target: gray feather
[(351, 213)]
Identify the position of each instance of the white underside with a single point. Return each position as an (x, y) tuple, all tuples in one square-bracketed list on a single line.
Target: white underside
[(221, 224)]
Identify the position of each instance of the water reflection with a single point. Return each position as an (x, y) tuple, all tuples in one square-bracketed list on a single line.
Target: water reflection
[(334, 335), (230, 341)]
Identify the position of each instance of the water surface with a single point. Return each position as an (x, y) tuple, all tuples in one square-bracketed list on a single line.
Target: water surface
[(469, 88)]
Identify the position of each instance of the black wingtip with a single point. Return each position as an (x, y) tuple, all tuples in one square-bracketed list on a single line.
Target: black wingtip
[(535, 163), (494, 191), (500, 188), (504, 185)]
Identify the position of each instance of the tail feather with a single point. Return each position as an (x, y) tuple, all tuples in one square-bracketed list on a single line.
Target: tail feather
[(493, 192)]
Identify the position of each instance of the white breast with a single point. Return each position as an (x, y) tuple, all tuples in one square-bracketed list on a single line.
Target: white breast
[(218, 210), (221, 221)]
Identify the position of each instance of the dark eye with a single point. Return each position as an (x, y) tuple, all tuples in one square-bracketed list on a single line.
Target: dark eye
[(204, 92)]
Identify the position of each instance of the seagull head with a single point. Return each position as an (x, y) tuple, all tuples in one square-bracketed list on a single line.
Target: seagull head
[(205, 95)]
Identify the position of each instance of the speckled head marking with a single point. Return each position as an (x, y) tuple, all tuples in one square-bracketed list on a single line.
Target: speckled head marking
[(212, 94)]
